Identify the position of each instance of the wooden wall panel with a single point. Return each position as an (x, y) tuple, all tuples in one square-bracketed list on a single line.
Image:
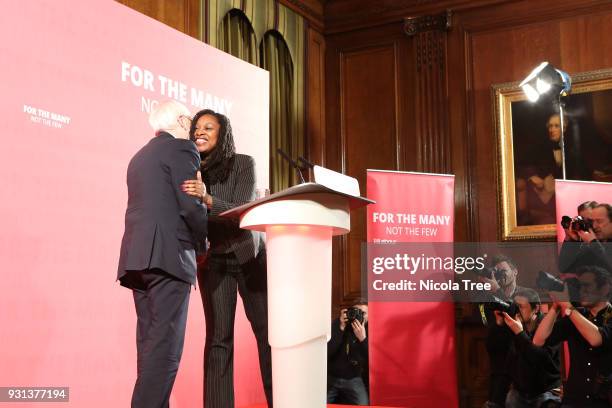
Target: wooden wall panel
[(369, 125), (347, 15), (522, 51), (183, 15), (315, 96), (472, 365), (430, 96), (585, 42), (368, 103), (384, 111)]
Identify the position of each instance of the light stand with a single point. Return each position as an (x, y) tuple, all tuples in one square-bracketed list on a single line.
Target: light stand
[(540, 82)]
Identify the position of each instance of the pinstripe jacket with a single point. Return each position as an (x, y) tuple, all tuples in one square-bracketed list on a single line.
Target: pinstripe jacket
[(224, 235)]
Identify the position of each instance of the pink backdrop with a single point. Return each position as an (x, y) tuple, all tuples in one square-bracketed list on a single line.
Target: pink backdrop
[(74, 110), (412, 344)]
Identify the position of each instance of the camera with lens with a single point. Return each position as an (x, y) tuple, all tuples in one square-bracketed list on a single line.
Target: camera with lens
[(548, 282), (489, 303), (501, 305), (551, 283), (354, 313), (577, 223), (490, 273)]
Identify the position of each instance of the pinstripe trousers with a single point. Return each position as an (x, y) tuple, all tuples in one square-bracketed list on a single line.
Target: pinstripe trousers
[(220, 278)]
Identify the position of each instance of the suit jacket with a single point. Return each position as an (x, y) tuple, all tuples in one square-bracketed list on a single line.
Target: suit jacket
[(162, 223), (238, 188)]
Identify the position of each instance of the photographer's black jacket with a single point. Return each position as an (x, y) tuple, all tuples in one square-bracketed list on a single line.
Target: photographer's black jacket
[(533, 370), (498, 342), (347, 357), (588, 365), (499, 338), (575, 254)]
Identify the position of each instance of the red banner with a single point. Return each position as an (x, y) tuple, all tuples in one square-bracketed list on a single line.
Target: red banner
[(412, 345)]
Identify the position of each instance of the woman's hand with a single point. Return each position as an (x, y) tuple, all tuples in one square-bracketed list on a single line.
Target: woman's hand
[(196, 187)]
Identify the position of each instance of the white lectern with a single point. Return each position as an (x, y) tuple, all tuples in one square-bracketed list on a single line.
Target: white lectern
[(299, 224)]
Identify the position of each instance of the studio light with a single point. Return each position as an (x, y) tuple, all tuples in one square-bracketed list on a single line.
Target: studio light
[(546, 79)]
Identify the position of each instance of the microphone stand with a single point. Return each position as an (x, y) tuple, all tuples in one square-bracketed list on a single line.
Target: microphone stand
[(292, 163)]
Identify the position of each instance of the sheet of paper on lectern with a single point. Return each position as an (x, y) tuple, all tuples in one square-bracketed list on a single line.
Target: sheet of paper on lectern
[(336, 181)]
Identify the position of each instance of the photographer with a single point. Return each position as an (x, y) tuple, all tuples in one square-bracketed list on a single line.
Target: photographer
[(347, 356), (534, 371), (588, 331), (499, 337), (585, 211), (588, 240)]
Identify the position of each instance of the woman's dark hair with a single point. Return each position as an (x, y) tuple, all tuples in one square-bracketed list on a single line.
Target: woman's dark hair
[(217, 163)]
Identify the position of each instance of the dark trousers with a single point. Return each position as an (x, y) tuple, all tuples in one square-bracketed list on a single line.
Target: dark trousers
[(348, 391), (220, 278), (499, 385), (161, 307)]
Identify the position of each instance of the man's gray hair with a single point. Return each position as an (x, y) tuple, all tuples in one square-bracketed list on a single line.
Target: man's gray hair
[(166, 114)]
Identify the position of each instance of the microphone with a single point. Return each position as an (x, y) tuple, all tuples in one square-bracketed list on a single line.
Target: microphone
[(306, 164), (291, 162)]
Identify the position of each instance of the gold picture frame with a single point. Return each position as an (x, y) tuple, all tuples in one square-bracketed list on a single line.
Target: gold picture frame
[(509, 97)]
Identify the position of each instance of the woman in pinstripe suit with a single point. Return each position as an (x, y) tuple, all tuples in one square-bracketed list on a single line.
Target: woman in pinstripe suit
[(235, 261)]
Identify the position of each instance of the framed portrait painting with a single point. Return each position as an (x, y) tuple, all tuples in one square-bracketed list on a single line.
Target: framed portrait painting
[(529, 155)]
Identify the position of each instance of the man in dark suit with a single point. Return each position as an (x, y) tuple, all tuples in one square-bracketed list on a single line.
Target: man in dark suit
[(162, 228)]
